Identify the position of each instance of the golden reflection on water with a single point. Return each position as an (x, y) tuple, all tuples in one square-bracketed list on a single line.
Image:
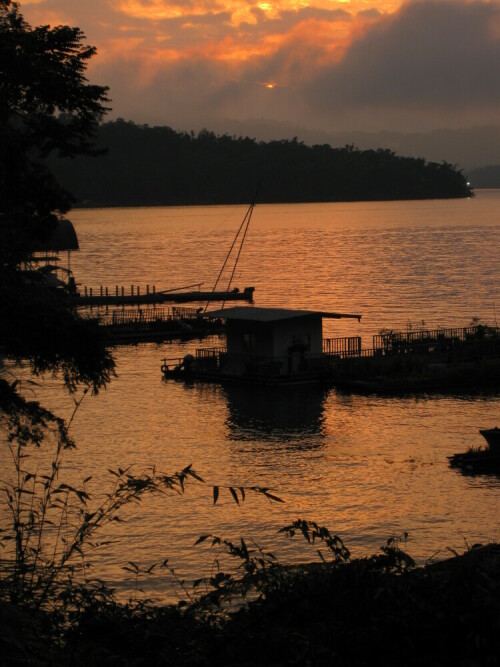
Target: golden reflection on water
[(364, 466)]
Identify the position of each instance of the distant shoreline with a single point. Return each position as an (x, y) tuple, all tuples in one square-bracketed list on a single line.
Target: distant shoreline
[(86, 207)]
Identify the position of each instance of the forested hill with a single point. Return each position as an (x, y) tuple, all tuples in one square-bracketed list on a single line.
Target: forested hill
[(159, 166)]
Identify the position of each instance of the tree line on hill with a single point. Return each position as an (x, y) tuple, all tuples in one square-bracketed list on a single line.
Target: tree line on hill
[(144, 165)]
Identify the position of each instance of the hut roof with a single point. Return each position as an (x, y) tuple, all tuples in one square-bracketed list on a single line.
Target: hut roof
[(253, 314), (62, 238)]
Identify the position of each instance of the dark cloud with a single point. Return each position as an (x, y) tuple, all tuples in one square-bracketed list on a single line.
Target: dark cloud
[(191, 94), (430, 58)]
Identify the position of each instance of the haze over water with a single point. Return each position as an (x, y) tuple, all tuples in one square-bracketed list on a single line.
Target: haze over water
[(364, 466)]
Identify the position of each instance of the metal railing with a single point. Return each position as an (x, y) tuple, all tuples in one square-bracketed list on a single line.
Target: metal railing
[(133, 316), (430, 340), (345, 347), (218, 361)]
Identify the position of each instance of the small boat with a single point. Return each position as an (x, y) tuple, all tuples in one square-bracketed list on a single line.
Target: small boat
[(179, 368), (480, 459), (492, 437)]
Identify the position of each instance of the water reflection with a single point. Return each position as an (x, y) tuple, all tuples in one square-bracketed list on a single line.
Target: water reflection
[(365, 466), (275, 413)]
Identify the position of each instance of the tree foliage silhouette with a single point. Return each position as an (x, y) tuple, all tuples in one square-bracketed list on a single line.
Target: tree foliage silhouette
[(46, 106), (159, 166)]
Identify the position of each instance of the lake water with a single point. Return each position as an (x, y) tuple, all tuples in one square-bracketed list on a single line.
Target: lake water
[(366, 467)]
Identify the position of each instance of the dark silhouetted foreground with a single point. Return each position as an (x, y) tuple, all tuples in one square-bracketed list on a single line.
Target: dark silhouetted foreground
[(363, 612)]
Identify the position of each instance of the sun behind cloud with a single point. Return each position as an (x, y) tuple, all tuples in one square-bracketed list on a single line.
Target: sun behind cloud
[(329, 64)]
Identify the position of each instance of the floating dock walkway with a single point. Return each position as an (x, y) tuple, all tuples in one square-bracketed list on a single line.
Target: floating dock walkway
[(136, 297)]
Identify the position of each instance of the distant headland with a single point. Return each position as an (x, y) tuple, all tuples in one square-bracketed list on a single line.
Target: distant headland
[(148, 166)]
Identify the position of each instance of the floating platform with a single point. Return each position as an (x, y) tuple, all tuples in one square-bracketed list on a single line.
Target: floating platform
[(136, 297), (136, 325), (467, 359)]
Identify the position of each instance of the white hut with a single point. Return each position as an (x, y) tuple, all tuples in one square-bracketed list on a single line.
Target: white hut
[(273, 342)]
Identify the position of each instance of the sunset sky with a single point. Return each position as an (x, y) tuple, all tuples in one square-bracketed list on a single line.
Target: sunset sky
[(321, 64)]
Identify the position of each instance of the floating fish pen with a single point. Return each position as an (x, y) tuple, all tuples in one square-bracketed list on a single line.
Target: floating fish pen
[(134, 316), (444, 342), (129, 315), (155, 324), (278, 346)]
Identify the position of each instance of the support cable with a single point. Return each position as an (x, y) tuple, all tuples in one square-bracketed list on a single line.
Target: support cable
[(250, 211), (245, 221)]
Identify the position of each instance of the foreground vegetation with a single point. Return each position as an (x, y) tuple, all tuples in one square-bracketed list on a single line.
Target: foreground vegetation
[(159, 166), (347, 612)]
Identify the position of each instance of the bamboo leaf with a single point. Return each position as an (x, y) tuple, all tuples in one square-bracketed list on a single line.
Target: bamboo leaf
[(82, 496), (244, 548), (216, 494), (234, 494), (134, 565), (305, 532), (273, 497), (195, 475)]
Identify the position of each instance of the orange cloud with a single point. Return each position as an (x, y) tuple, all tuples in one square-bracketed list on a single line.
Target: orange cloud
[(222, 30), (244, 11), (157, 10)]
